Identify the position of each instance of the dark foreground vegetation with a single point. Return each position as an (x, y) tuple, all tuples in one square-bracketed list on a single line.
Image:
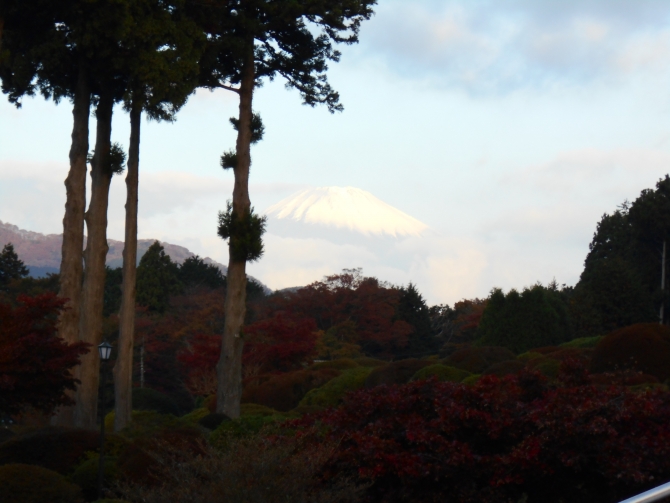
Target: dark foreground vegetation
[(355, 389)]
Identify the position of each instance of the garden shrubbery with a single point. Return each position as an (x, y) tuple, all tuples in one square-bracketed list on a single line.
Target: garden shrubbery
[(56, 449), (477, 359), (441, 372), (331, 393), (517, 438), (644, 347), (249, 470), (283, 392), (150, 399), (398, 372), (507, 367), (22, 483)]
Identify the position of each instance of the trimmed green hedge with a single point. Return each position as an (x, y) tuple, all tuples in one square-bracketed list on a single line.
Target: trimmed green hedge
[(339, 364), (584, 342), (442, 372), (331, 393)]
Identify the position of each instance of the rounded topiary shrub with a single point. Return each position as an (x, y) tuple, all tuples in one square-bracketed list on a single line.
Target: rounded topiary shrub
[(399, 372), (212, 421), (150, 399), (582, 342), (366, 361), (331, 393), (477, 359), (442, 372), (21, 483), (501, 369), (528, 356), (644, 347), (137, 462), (471, 379), (253, 409), (242, 427), (283, 392), (57, 449), (196, 415), (546, 365), (339, 364), (86, 475)]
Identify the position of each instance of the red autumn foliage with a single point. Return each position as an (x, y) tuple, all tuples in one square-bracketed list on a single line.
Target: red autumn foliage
[(350, 297), (644, 347), (279, 343), (430, 441), (34, 362), (468, 315), (283, 392)]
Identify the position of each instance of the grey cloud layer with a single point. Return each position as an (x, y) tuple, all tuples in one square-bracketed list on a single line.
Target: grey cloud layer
[(499, 46)]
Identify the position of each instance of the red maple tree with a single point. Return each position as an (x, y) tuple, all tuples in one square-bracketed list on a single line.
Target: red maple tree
[(34, 362)]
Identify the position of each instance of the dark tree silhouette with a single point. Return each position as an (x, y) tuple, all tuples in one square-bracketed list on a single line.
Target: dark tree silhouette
[(249, 41)]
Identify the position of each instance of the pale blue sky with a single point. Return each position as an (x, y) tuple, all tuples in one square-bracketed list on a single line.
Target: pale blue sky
[(508, 126)]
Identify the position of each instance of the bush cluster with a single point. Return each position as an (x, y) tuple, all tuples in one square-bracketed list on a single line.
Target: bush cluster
[(517, 438)]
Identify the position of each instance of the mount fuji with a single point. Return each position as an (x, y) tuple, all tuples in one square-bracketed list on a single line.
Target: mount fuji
[(341, 214)]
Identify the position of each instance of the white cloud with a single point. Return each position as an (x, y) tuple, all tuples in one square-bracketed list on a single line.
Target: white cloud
[(493, 47)]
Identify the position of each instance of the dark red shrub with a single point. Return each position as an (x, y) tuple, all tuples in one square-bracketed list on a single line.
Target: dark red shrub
[(499, 439), (138, 462), (399, 372), (477, 359), (644, 347), (622, 379), (283, 392)]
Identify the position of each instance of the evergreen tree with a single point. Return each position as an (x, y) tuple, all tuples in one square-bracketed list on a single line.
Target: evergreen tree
[(10, 265), (534, 318), (195, 272), (160, 70), (412, 309), (247, 42), (622, 281), (112, 299), (157, 279)]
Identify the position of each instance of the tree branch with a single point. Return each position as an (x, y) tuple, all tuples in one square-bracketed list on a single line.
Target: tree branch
[(229, 88)]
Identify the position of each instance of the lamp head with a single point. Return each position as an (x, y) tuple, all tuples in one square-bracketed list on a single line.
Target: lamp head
[(105, 351)]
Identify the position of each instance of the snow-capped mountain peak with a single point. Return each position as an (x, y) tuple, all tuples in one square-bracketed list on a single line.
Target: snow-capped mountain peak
[(346, 208)]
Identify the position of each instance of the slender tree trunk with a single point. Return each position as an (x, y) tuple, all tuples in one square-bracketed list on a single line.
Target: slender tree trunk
[(229, 368), (71, 267), (123, 370), (2, 26), (662, 316), (90, 326)]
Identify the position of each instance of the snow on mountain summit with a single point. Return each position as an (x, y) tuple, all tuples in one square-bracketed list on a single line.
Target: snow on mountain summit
[(346, 208)]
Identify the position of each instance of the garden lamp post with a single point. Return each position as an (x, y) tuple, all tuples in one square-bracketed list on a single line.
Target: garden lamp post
[(104, 350)]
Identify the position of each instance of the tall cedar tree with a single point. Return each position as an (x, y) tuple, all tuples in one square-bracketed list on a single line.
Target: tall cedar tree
[(536, 317), (70, 50), (250, 40), (623, 278), (412, 309), (10, 265), (157, 279), (161, 54)]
